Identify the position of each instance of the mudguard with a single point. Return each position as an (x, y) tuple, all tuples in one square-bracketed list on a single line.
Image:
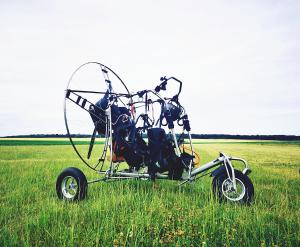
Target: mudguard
[(222, 169), (218, 171)]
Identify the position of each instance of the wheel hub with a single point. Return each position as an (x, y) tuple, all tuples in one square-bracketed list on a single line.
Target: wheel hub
[(69, 187), (230, 193)]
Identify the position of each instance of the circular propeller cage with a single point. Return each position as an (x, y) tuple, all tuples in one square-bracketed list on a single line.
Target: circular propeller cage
[(88, 84)]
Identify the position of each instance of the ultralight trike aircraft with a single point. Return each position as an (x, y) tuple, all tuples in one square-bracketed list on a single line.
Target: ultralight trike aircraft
[(125, 128)]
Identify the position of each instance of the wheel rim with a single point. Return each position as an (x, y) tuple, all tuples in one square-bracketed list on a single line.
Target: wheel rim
[(229, 192), (69, 187)]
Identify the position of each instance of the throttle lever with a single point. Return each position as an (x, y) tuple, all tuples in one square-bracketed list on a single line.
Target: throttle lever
[(163, 78), (161, 86)]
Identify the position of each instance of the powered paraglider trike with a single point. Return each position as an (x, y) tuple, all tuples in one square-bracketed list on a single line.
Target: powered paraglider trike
[(125, 128)]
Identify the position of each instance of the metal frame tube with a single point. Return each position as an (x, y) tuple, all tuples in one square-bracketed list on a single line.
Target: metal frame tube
[(127, 175), (110, 142), (207, 166), (227, 162)]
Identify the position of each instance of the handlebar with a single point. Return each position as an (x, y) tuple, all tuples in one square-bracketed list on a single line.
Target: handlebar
[(163, 84), (171, 109)]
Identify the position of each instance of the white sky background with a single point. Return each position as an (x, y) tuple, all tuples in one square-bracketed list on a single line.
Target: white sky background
[(239, 61)]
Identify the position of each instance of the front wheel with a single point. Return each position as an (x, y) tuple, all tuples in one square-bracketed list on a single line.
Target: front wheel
[(71, 185), (224, 191)]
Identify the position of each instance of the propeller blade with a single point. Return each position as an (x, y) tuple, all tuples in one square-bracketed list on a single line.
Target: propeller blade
[(92, 143)]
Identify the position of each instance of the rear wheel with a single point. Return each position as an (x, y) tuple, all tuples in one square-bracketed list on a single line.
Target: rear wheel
[(224, 191), (71, 185)]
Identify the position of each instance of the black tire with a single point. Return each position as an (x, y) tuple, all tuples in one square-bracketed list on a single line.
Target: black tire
[(221, 185), (76, 190)]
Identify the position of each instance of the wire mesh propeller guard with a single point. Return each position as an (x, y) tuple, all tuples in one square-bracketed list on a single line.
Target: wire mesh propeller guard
[(87, 85)]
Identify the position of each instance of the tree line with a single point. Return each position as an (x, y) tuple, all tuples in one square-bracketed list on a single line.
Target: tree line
[(194, 136)]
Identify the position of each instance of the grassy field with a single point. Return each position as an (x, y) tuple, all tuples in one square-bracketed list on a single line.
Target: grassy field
[(140, 213)]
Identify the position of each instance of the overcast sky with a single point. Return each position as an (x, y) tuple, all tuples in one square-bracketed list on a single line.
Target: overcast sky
[(239, 61)]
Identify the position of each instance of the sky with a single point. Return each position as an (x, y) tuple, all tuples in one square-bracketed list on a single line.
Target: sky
[(239, 60)]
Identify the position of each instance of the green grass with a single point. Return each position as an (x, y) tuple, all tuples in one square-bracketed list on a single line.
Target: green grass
[(140, 213)]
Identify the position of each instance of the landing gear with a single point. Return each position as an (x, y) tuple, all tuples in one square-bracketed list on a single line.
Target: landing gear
[(224, 190), (71, 185)]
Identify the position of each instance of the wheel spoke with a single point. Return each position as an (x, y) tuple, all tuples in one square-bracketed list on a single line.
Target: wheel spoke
[(230, 193), (69, 187)]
